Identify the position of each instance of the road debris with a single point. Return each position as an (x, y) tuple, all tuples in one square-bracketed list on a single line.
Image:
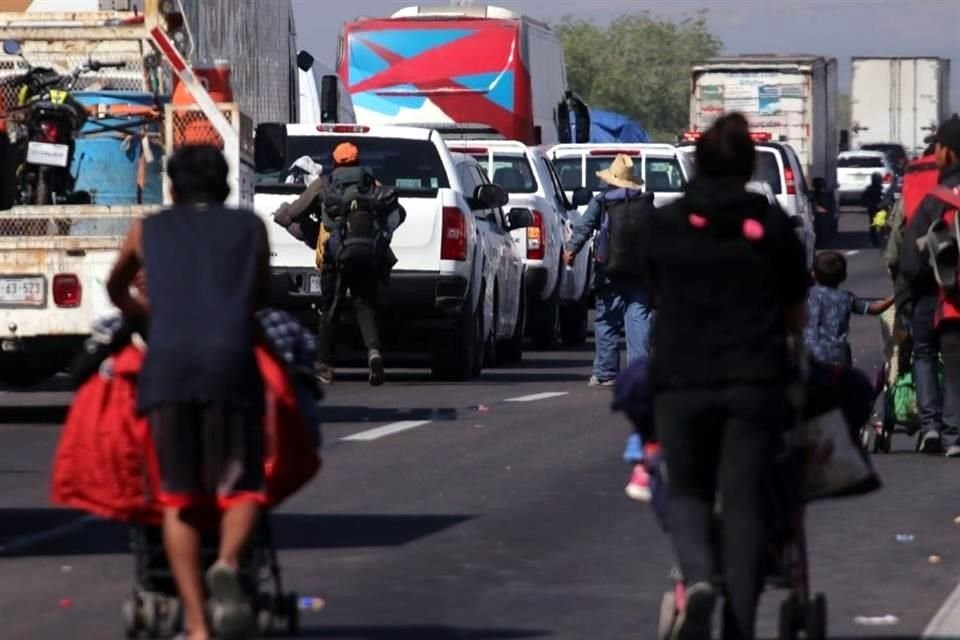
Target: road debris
[(905, 537), (314, 603), (934, 559), (876, 621)]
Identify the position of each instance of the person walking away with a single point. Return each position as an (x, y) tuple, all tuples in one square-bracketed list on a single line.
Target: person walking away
[(924, 291), (729, 279), (360, 215), (207, 271), (622, 299), (829, 308), (870, 200)]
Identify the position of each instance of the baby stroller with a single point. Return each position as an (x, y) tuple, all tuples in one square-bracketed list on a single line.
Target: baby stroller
[(785, 564), (104, 411), (153, 608), (895, 388)]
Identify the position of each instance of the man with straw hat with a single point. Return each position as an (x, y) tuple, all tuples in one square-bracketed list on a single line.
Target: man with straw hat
[(622, 300)]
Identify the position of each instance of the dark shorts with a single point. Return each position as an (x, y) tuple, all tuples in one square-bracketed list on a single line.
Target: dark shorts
[(205, 452)]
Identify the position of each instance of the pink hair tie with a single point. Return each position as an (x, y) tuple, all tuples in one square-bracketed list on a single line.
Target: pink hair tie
[(697, 221), (752, 230)]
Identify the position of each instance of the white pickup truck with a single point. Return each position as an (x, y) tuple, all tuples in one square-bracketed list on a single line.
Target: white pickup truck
[(556, 295), (455, 290), (54, 262), (663, 169)]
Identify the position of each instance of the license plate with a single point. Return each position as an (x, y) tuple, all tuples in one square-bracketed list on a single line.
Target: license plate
[(26, 291), (315, 286), (50, 155)]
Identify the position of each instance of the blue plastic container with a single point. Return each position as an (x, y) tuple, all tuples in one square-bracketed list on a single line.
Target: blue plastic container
[(101, 163)]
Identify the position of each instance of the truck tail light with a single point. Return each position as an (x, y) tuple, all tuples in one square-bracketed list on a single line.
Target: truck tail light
[(535, 249), (49, 131), (453, 244), (790, 182), (67, 291), (343, 128)]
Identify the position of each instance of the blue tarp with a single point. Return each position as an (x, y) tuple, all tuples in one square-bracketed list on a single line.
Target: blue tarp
[(607, 126)]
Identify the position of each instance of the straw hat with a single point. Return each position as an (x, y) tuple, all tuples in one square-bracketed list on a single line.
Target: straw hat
[(620, 173)]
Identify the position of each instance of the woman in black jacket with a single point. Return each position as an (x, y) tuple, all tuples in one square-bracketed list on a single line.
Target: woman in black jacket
[(729, 281)]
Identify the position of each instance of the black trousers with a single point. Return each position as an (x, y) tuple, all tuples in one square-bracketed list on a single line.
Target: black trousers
[(363, 292), (722, 440), (950, 352)]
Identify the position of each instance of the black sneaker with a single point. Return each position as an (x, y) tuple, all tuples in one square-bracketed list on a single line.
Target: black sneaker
[(375, 362), (324, 373), (931, 443)]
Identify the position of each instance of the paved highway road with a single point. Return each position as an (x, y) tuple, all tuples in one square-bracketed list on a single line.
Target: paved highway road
[(486, 510)]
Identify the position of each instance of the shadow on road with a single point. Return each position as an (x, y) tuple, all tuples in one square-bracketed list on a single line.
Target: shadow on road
[(418, 632), (37, 414), (49, 532)]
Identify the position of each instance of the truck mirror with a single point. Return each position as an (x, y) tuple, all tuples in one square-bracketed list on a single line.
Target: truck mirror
[(582, 196), (304, 60), (329, 98), (581, 117), (564, 133), (538, 135), (270, 147)]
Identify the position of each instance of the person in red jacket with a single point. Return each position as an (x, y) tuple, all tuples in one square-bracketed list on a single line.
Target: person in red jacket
[(930, 333)]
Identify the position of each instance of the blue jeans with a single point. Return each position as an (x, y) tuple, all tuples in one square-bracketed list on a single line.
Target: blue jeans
[(620, 307), (926, 353)]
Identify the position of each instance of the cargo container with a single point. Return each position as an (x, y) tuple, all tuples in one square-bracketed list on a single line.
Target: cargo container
[(483, 67), (898, 100), (791, 97)]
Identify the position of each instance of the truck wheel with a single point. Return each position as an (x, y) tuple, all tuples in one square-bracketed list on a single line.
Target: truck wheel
[(573, 324), (455, 354), (511, 351), (19, 371), (545, 332)]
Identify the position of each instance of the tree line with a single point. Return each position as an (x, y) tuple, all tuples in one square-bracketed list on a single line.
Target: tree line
[(638, 65)]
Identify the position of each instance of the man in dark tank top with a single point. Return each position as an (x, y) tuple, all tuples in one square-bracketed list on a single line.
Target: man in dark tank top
[(207, 271)]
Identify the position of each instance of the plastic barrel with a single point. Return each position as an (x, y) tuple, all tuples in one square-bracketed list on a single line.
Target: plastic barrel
[(107, 167)]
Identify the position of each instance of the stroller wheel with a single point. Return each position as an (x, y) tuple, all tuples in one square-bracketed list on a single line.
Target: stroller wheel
[(264, 621), (150, 612), (129, 612), (292, 612), (668, 616), (789, 617), (816, 618), (170, 620), (868, 438)]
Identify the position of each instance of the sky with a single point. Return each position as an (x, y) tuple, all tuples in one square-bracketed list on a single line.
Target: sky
[(836, 28)]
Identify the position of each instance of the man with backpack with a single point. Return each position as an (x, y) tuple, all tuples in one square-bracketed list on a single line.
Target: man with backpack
[(935, 322), (622, 301), (360, 215)]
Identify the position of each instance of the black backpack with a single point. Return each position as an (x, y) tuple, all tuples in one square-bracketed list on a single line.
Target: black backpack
[(355, 208), (624, 222)]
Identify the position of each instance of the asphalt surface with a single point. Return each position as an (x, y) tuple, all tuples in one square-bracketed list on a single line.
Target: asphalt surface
[(474, 517)]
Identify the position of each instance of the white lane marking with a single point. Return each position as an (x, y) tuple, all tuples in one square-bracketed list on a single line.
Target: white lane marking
[(385, 430), (538, 396), (853, 253), (24, 542), (946, 622)]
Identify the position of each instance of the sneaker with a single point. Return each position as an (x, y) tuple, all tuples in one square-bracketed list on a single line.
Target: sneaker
[(639, 486), (695, 621), (953, 451), (324, 374), (931, 443), (375, 362), (597, 382), (231, 611)]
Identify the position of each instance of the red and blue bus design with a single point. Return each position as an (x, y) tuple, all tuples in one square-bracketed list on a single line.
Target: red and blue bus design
[(464, 71)]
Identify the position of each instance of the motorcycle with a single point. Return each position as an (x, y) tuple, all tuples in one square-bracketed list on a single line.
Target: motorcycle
[(48, 121)]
